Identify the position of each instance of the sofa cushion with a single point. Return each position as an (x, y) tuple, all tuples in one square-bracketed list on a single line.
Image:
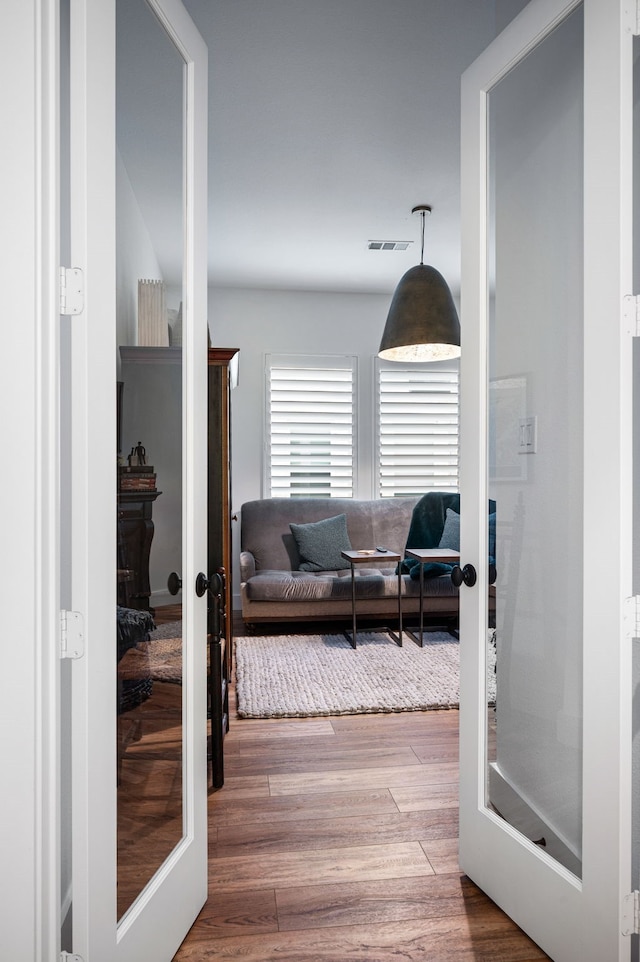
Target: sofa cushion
[(320, 543), (451, 531), (336, 585)]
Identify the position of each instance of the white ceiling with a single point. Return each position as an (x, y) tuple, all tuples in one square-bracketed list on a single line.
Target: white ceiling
[(328, 121)]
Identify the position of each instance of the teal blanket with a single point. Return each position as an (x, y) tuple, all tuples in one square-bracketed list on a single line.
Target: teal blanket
[(425, 531)]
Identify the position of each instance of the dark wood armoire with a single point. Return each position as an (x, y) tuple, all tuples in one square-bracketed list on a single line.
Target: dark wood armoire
[(222, 377)]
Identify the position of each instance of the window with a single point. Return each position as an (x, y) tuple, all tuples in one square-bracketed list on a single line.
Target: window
[(310, 430), (417, 447)]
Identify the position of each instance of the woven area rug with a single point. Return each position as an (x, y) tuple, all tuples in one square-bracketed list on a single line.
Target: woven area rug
[(159, 659), (307, 675), (164, 652)]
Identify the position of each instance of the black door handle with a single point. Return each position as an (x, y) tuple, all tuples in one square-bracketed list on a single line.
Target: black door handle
[(467, 575), (202, 583), (174, 583), (212, 584)]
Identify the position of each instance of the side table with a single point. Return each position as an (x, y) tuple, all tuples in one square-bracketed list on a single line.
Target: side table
[(424, 556), (364, 556)]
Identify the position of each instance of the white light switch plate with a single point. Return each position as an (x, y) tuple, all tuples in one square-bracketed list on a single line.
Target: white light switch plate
[(528, 435)]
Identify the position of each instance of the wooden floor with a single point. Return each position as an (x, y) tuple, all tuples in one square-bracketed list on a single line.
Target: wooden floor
[(149, 783), (335, 840)]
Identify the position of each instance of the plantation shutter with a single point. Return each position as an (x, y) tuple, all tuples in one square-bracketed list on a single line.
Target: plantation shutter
[(311, 427), (417, 429)]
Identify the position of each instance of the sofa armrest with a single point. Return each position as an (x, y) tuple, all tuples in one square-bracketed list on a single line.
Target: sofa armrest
[(247, 565)]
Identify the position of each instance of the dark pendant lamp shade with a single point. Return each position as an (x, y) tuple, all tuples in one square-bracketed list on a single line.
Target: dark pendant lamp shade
[(422, 324)]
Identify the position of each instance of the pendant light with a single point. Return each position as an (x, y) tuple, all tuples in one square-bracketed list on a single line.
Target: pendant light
[(422, 324)]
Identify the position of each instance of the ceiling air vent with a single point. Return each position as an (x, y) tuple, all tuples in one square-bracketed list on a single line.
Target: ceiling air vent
[(388, 245)]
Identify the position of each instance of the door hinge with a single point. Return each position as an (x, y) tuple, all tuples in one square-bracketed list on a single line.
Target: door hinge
[(71, 290), (631, 617), (631, 312), (70, 957), (630, 920), (71, 634)]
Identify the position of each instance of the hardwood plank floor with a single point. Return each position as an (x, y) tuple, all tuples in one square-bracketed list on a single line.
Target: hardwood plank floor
[(335, 840), (149, 794)]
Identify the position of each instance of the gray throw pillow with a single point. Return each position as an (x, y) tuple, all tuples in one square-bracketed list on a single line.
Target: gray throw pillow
[(451, 531), (320, 543)]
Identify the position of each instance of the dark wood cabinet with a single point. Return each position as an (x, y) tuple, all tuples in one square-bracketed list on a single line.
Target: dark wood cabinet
[(222, 368), (135, 534)]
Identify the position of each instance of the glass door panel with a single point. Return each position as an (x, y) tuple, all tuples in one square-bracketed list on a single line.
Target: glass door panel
[(535, 459), (138, 706), (149, 264)]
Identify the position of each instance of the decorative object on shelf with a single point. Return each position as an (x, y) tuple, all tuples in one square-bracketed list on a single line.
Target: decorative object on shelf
[(153, 330), (138, 455), (137, 475), (139, 478), (422, 324)]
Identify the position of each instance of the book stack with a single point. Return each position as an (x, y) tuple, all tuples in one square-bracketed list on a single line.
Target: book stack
[(153, 330), (137, 478)]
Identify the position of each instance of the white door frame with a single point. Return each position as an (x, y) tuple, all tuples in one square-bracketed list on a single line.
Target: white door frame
[(569, 918), (29, 888)]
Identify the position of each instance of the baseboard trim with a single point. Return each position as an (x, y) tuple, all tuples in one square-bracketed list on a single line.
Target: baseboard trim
[(162, 597)]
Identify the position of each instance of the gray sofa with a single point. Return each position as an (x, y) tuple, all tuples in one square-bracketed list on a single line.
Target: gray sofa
[(273, 588)]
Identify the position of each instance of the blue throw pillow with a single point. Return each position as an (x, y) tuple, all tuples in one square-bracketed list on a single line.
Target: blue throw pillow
[(320, 543), (451, 531)]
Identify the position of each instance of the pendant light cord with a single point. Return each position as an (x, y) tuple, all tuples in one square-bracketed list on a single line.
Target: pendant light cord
[(422, 214)]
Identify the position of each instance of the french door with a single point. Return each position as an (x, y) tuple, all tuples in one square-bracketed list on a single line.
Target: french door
[(546, 378), (138, 119)]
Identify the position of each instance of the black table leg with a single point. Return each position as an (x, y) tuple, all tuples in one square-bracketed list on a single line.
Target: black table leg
[(398, 637), (419, 640), (353, 639)]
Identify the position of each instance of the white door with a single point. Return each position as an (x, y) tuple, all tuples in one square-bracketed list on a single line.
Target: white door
[(138, 122), (546, 432)]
